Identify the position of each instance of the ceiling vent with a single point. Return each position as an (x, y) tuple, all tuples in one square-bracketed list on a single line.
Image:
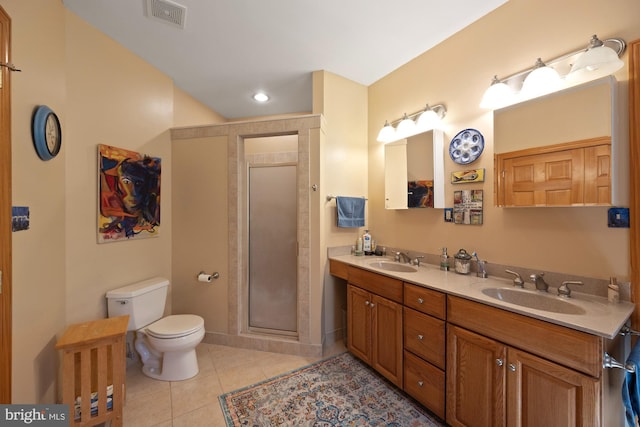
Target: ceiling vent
[(166, 11)]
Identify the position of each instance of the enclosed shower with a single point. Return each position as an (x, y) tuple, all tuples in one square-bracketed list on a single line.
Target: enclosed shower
[(272, 237)]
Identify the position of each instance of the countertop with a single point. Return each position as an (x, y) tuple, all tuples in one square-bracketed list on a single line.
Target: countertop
[(602, 318)]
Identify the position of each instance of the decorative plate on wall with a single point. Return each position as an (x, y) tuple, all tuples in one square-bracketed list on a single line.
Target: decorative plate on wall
[(466, 146)]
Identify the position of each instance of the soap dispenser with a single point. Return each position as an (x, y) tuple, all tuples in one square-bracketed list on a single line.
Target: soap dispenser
[(444, 260), (366, 243)]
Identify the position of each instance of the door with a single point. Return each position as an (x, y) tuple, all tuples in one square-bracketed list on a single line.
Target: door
[(5, 210), (475, 379), (359, 323), (387, 335), (543, 394), (273, 252)]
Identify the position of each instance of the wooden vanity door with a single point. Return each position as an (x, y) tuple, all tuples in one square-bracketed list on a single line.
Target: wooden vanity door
[(359, 323), (544, 394), (475, 379)]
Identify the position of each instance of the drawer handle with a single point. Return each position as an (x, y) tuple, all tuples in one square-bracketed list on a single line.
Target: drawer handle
[(420, 301), (420, 337), (512, 367), (420, 383), (499, 362)]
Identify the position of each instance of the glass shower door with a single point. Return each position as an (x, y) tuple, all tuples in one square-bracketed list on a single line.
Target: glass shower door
[(273, 248)]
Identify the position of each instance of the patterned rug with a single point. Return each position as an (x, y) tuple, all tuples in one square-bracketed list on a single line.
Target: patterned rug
[(339, 391)]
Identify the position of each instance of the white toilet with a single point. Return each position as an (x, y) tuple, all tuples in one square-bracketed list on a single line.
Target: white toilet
[(167, 346)]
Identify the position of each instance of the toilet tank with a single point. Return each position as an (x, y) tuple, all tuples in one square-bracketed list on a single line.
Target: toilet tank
[(142, 301)]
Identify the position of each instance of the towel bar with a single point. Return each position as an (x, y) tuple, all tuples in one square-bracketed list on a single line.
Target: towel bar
[(625, 330), (330, 197), (610, 362)]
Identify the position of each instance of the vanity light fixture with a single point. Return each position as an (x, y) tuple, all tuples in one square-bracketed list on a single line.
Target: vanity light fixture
[(541, 81), (412, 124), (599, 59), (260, 97)]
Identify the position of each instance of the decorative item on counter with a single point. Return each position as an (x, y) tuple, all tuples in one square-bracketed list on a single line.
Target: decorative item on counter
[(366, 242), (462, 262), (467, 207), (359, 251), (613, 290), (471, 175), (444, 260)]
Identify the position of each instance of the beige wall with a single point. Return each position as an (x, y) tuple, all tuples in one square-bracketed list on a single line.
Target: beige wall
[(103, 94), (456, 72), (343, 170)]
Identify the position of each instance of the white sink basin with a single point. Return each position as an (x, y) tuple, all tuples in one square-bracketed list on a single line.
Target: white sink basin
[(393, 266), (535, 300)]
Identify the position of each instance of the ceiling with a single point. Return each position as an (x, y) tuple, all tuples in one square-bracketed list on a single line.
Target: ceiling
[(228, 50)]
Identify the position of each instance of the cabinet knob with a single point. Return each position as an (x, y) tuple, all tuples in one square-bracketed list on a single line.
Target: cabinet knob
[(420, 383), (420, 337), (512, 367), (367, 303), (499, 362), (420, 301), (372, 305)]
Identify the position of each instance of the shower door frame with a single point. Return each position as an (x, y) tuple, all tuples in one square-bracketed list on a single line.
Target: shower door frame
[(253, 328), (308, 128)]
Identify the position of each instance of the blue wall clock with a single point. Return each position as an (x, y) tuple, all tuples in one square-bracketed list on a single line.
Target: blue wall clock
[(47, 134)]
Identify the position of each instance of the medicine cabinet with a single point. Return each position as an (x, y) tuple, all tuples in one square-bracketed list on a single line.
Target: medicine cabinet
[(561, 149), (414, 171)]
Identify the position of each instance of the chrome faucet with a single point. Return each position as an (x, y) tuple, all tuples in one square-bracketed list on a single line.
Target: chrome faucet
[(517, 279), (402, 257), (564, 291), (538, 279), (417, 260)]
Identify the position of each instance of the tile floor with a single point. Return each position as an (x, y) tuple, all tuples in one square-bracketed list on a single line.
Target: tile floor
[(194, 402)]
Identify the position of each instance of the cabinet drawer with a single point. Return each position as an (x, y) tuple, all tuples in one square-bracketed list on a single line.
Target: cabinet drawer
[(425, 300), (376, 283), (339, 269), (571, 348), (425, 383), (425, 336)]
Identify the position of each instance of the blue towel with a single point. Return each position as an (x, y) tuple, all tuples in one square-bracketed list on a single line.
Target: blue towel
[(350, 211), (631, 387)]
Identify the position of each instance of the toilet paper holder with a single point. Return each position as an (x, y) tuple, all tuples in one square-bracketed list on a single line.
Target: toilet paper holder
[(205, 277)]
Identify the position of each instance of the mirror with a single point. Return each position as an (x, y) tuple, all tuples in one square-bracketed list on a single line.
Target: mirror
[(560, 149), (414, 171)]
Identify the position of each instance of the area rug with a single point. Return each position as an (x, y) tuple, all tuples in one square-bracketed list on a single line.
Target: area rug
[(339, 391)]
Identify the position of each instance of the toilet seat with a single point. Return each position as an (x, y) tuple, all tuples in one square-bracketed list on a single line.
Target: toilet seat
[(175, 326)]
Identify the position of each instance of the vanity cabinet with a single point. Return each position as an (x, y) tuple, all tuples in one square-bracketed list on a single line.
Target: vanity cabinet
[(491, 382), (470, 363), (571, 174), (374, 322), (424, 346)]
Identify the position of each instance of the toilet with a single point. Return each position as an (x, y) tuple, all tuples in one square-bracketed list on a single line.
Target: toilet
[(166, 345)]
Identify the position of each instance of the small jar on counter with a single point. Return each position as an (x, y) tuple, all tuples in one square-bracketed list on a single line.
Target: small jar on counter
[(462, 262)]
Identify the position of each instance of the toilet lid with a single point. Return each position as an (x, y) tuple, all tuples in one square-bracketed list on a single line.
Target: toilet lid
[(175, 326)]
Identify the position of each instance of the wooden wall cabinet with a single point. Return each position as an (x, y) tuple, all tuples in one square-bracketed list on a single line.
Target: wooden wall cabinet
[(374, 322), (570, 174)]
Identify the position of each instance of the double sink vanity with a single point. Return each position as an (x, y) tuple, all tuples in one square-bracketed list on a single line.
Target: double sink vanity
[(483, 352)]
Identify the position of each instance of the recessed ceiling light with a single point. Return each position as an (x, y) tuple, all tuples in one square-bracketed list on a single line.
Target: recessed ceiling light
[(261, 97)]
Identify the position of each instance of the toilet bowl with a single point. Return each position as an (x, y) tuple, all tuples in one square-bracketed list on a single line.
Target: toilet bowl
[(167, 347)]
